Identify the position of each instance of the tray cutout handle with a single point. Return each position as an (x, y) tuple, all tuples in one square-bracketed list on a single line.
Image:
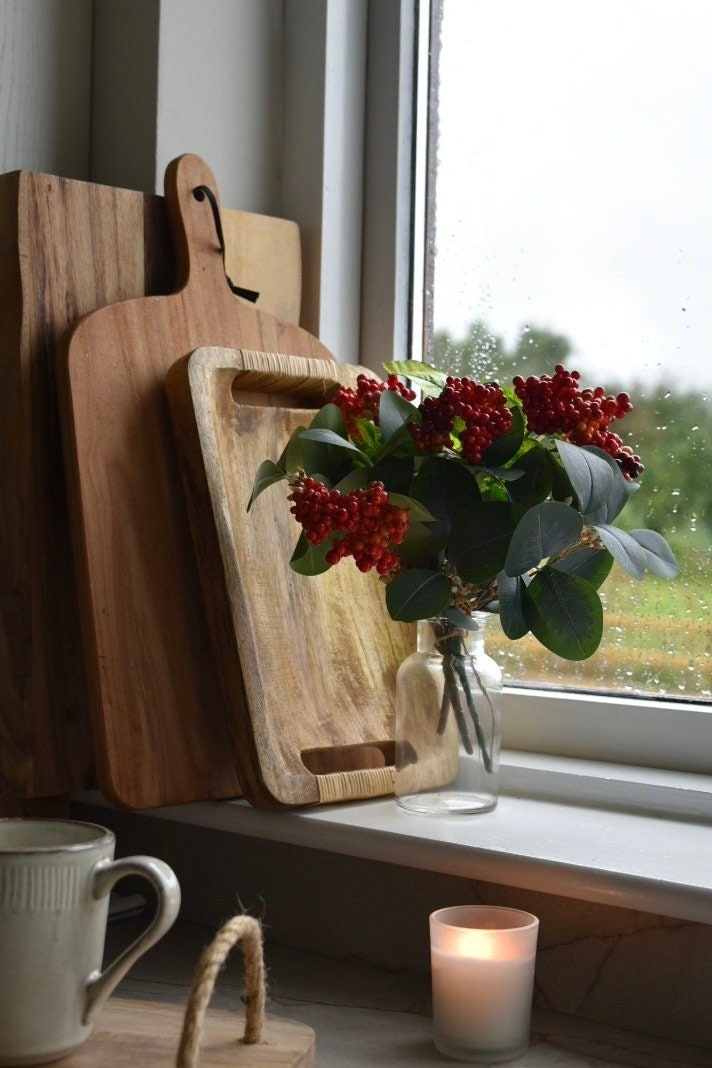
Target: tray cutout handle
[(352, 772)]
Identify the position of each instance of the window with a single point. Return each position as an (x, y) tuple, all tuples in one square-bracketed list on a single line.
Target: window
[(570, 171)]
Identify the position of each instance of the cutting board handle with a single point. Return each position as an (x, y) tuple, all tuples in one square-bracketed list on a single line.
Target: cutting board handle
[(199, 258), (356, 785)]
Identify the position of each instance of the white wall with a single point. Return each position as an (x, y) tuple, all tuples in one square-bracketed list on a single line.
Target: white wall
[(124, 93), (322, 182), (176, 76), (220, 94), (292, 103), (45, 79)]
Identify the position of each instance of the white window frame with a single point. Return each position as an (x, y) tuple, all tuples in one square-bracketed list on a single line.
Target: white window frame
[(582, 728)]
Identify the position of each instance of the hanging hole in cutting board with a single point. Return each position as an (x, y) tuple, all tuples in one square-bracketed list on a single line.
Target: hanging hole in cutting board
[(200, 193), (349, 757)]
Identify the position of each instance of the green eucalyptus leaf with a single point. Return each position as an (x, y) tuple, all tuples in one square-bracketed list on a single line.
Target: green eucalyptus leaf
[(491, 487), (427, 389), (394, 412), (417, 594), (561, 488), (592, 565), (624, 549), (459, 619), (415, 509), (659, 557), (444, 486), (395, 472), (368, 432), (308, 559), (418, 372), (400, 443), (330, 417), (320, 456), (564, 613), (292, 458), (267, 474), (440, 530), (542, 532), (504, 474), (421, 547), (590, 476), (505, 448), (510, 590), (620, 490), (329, 437), (356, 479), (479, 540), (534, 484)]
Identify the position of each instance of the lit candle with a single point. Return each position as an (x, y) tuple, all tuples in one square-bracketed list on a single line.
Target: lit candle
[(483, 971)]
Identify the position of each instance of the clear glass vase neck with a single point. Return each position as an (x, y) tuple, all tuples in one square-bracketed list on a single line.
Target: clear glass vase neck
[(435, 634)]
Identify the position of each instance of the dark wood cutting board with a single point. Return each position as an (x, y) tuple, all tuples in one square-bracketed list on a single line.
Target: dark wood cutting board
[(160, 723), (66, 249), (308, 663)]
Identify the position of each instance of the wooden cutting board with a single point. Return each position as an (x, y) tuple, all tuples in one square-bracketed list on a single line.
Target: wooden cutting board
[(160, 723), (308, 664), (66, 249), (145, 1034)]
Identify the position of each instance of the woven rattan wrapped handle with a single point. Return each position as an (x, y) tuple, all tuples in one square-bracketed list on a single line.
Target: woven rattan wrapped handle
[(355, 785), (243, 929)]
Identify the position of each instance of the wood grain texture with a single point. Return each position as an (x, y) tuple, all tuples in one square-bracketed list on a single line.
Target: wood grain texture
[(308, 664), (267, 254), (145, 1034), (66, 249), (160, 723)]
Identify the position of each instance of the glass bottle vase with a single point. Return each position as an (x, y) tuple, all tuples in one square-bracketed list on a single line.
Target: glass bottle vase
[(448, 721)]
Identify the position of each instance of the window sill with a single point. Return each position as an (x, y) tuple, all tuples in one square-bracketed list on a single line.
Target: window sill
[(629, 859), (677, 795)]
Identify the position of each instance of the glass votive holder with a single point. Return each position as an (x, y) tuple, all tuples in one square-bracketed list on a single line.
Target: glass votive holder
[(482, 960)]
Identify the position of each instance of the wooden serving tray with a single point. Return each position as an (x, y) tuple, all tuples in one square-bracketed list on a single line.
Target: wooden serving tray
[(145, 1034), (160, 724), (308, 665), (66, 249)]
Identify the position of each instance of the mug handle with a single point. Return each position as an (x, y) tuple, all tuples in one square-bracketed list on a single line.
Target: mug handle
[(106, 873)]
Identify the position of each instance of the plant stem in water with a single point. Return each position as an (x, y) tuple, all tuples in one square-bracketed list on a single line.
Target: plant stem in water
[(454, 696), (464, 681)]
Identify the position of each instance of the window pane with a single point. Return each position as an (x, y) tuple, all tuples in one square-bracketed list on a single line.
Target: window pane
[(574, 224)]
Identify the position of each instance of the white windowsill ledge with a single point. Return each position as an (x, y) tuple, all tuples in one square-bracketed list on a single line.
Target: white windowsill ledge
[(623, 858)]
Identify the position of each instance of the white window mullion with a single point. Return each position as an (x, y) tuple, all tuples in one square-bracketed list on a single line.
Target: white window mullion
[(322, 164), (388, 297)]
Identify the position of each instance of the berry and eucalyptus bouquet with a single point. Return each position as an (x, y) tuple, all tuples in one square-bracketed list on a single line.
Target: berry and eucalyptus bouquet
[(478, 498)]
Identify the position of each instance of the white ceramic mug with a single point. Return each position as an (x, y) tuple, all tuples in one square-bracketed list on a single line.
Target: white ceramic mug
[(55, 878)]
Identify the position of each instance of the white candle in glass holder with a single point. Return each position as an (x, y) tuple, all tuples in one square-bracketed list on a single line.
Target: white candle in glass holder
[(482, 961)]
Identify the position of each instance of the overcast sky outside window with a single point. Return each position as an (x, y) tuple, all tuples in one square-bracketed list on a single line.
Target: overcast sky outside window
[(574, 187)]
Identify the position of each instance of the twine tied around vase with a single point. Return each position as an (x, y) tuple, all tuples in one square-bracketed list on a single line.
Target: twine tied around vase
[(242, 928)]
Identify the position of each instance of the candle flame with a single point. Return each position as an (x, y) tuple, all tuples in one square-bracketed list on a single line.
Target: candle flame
[(475, 943)]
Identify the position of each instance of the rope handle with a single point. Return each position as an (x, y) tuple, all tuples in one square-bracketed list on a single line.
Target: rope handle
[(240, 928)]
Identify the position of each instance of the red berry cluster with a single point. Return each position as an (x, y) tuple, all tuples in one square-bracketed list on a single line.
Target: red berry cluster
[(370, 522), (557, 405), (483, 409), (364, 402)]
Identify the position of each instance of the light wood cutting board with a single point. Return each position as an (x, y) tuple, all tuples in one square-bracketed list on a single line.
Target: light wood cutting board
[(308, 663), (145, 1034), (66, 249), (160, 723)]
